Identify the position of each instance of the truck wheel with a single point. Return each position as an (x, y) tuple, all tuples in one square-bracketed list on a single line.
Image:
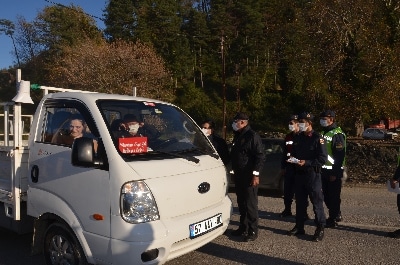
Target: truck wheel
[(62, 247)]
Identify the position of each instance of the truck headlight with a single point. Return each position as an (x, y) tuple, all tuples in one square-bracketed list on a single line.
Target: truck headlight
[(137, 203)]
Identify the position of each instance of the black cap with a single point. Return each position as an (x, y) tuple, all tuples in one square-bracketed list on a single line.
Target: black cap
[(294, 117), (130, 118), (306, 116), (327, 113), (241, 116)]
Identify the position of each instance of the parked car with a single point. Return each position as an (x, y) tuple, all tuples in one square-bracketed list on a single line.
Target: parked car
[(378, 134), (270, 177)]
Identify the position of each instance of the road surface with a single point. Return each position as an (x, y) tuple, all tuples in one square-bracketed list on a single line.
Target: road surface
[(369, 212)]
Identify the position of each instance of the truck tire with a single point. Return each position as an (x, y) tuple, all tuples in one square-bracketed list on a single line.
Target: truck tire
[(62, 247)]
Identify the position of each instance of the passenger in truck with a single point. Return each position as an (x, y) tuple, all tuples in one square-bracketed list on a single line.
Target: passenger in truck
[(77, 129)]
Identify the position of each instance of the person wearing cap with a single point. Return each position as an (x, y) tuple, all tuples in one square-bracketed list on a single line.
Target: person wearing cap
[(332, 170), (247, 159), (132, 126), (308, 156), (287, 169), (208, 128)]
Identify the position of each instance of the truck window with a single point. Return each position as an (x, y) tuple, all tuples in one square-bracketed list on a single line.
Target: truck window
[(146, 129), (63, 125)]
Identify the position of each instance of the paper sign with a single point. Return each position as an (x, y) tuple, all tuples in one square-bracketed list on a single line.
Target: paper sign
[(132, 145), (396, 188)]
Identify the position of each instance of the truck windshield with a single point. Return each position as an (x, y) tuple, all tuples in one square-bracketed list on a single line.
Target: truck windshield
[(142, 129)]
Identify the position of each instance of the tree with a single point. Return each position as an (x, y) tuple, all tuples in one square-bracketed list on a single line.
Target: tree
[(8, 28), (113, 68), (121, 20), (60, 26), (29, 47), (357, 57)]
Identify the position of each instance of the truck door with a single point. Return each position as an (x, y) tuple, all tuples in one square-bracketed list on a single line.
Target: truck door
[(80, 196)]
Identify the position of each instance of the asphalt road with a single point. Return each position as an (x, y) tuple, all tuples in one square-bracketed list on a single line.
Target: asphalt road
[(369, 212)]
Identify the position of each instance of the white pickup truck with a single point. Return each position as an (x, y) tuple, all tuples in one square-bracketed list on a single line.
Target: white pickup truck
[(110, 197)]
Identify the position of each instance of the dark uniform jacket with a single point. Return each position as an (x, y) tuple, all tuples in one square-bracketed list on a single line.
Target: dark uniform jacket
[(221, 147), (247, 153), (311, 148), (287, 149)]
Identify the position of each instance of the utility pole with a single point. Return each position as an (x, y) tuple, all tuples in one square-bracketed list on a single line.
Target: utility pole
[(223, 87), (238, 87)]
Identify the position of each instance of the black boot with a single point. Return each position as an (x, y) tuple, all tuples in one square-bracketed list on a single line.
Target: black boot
[(251, 236), (239, 232), (339, 218), (296, 231), (331, 223), (319, 234), (286, 213)]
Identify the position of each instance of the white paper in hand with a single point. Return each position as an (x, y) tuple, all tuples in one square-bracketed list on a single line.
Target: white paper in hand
[(396, 188), (293, 160)]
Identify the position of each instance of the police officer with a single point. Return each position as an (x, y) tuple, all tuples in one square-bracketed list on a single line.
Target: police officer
[(247, 158), (287, 169), (332, 171), (309, 154)]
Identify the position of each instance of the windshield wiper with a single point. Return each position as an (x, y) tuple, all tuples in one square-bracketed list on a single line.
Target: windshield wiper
[(216, 156), (189, 158)]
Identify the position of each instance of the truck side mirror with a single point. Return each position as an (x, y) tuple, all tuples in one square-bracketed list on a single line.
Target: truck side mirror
[(83, 153)]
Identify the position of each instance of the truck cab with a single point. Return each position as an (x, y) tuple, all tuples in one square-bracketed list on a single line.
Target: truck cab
[(140, 185)]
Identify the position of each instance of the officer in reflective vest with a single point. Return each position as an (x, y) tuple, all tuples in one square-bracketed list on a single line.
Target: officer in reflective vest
[(332, 171)]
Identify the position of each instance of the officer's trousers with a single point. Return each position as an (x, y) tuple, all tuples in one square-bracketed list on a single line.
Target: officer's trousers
[(308, 183), (332, 191), (288, 187), (247, 201)]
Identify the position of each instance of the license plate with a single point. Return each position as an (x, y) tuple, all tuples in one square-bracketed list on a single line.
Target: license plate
[(205, 226)]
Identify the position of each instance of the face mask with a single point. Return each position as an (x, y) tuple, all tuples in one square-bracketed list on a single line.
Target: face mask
[(133, 128), (324, 123), (291, 127), (205, 131), (234, 126), (302, 127)]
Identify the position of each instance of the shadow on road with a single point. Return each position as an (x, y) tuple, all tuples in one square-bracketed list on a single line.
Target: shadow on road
[(241, 256)]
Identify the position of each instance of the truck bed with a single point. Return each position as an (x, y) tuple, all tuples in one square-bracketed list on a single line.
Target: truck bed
[(7, 160)]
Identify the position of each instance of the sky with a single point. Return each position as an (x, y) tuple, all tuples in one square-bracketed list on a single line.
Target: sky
[(12, 9)]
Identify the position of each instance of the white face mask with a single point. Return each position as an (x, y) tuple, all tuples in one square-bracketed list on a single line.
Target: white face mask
[(205, 131), (133, 128), (324, 123), (291, 128), (302, 127), (234, 126)]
